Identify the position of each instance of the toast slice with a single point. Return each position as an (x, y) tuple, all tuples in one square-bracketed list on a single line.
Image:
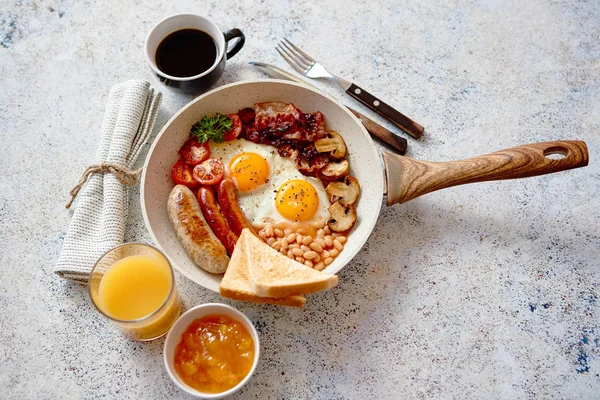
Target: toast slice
[(235, 284), (271, 274)]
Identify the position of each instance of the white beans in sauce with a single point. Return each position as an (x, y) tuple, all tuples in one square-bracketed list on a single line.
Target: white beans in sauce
[(314, 246)]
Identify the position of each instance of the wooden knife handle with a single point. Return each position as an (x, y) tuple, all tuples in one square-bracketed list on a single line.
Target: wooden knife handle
[(391, 114), (385, 135), (408, 178)]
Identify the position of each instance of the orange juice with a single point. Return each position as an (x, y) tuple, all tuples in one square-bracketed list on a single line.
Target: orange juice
[(134, 287), (138, 293)]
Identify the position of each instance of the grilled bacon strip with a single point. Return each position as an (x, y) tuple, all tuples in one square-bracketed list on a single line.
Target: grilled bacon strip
[(292, 132)]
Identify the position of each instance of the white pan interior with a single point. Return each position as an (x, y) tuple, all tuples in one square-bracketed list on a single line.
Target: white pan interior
[(156, 184)]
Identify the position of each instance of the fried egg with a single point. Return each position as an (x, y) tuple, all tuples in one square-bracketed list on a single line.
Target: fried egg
[(270, 187)]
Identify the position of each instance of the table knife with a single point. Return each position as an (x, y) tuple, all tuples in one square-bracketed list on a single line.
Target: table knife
[(385, 135)]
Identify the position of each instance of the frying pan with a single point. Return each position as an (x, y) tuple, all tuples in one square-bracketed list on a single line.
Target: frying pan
[(404, 178)]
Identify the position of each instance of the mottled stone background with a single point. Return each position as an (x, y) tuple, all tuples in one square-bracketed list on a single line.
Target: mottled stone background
[(482, 291)]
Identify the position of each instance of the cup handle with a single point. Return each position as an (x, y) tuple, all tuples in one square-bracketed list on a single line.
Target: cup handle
[(232, 34)]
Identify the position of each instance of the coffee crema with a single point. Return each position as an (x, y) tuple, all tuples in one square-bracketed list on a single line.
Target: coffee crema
[(186, 52)]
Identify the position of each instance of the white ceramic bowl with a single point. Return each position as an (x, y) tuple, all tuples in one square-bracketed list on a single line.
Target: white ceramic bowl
[(174, 337), (365, 164)]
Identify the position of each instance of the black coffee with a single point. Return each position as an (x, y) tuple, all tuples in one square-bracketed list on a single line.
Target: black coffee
[(187, 52)]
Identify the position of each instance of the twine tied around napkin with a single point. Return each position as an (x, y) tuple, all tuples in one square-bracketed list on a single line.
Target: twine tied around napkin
[(125, 175), (100, 216)]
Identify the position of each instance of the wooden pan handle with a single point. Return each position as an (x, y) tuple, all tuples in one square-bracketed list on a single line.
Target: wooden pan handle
[(408, 178)]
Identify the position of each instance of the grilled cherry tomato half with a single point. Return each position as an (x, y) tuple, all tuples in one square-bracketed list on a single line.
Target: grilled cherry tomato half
[(194, 152), (236, 127), (182, 174), (210, 172)]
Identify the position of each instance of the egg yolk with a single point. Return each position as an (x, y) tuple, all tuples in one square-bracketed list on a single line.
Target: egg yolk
[(297, 200), (248, 171)]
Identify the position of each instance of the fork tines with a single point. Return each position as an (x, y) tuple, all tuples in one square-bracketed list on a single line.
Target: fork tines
[(297, 58)]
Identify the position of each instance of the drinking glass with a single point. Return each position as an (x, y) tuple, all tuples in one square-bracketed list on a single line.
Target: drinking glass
[(159, 321)]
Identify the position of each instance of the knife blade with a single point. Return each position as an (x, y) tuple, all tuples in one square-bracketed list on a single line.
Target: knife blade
[(385, 135)]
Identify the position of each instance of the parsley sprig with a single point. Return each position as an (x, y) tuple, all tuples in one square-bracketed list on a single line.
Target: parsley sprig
[(211, 128)]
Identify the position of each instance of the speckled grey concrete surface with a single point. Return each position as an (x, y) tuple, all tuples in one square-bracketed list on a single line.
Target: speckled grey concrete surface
[(483, 291)]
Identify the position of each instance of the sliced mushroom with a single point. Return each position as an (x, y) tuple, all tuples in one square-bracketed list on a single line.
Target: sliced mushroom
[(336, 170), (346, 191), (342, 217), (333, 144)]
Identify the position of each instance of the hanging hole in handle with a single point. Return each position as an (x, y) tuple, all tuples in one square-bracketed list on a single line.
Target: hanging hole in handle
[(556, 153)]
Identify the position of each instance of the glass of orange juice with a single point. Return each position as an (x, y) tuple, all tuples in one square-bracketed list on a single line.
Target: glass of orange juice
[(134, 287)]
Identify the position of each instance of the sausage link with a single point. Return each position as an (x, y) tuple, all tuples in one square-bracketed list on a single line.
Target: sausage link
[(215, 219), (200, 243), (231, 209)]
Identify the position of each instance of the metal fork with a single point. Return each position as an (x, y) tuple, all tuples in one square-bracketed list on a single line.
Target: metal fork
[(311, 68), (305, 64)]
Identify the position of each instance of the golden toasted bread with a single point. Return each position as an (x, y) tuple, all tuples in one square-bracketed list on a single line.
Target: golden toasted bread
[(235, 284), (272, 274)]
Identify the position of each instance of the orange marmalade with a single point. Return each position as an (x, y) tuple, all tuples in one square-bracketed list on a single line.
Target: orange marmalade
[(215, 353)]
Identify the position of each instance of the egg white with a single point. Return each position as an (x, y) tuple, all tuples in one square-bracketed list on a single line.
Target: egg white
[(258, 205)]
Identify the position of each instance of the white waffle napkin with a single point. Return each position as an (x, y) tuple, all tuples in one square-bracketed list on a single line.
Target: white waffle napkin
[(99, 220)]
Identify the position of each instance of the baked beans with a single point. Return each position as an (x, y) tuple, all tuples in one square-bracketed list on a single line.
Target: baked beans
[(314, 246)]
